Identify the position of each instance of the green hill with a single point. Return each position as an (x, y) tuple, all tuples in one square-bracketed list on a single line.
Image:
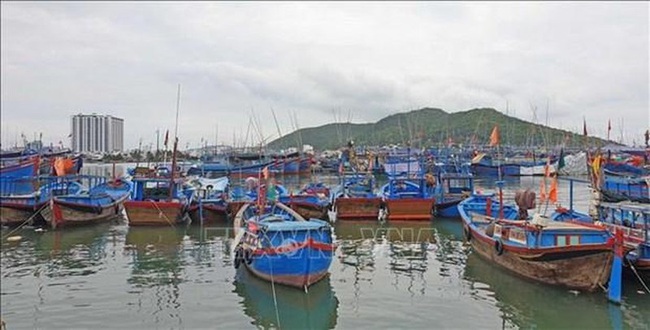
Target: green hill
[(430, 127)]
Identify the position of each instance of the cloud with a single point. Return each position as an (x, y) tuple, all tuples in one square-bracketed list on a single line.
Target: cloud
[(319, 61)]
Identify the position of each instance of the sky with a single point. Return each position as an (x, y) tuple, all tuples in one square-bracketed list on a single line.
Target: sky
[(313, 63)]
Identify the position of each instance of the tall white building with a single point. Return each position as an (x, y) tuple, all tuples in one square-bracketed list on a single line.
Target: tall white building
[(97, 133)]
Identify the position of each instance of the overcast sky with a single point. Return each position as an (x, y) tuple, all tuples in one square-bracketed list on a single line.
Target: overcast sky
[(321, 62)]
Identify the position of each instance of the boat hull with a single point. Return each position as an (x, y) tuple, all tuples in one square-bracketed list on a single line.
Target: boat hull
[(449, 208), (153, 213), (582, 268), (211, 213), (410, 209), (355, 208), (15, 215), (309, 210), (59, 214)]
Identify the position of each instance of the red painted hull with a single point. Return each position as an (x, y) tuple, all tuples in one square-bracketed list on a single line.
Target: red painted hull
[(410, 209), (357, 208), (152, 213)]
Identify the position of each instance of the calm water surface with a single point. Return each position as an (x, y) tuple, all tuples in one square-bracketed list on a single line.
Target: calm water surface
[(416, 275)]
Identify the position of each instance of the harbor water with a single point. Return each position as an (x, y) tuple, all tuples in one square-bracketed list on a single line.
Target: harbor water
[(385, 275)]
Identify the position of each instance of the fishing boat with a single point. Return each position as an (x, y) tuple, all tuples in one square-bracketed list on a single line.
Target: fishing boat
[(16, 209), (24, 169), (209, 203), (632, 218), (102, 202), (570, 254), (616, 188), (249, 193), (276, 244), (408, 199), (453, 188), (485, 165), (156, 200), (312, 201), (355, 198)]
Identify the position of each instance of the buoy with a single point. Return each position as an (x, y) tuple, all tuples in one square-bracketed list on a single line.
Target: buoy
[(14, 238)]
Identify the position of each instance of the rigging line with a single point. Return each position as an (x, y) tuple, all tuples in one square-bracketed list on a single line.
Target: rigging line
[(275, 299), (25, 222), (639, 278)]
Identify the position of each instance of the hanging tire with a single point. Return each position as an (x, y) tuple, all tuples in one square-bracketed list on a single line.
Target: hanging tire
[(238, 258), (467, 233), (498, 247)]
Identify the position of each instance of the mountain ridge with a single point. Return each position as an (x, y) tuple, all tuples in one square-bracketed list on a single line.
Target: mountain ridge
[(433, 126)]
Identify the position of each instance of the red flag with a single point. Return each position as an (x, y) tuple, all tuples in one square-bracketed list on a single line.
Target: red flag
[(584, 128), (542, 192), (494, 137), (166, 138), (265, 172)]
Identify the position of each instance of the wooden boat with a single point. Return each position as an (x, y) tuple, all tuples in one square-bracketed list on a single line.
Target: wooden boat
[(248, 193), (159, 201), (453, 188), (209, 203), (312, 201), (484, 165), (356, 199), (156, 202), (28, 167), (278, 245), (569, 254), (408, 199), (15, 209), (633, 219), (103, 202), (24, 169), (615, 188)]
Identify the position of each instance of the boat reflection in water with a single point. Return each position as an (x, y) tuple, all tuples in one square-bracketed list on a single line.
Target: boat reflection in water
[(156, 255), (156, 271), (296, 309), (521, 302)]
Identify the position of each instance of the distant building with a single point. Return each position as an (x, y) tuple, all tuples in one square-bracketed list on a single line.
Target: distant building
[(97, 133)]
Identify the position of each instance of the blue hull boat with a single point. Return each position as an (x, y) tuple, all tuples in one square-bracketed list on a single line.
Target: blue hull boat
[(103, 202), (15, 209), (278, 245)]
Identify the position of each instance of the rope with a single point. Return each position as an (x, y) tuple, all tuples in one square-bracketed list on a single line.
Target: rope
[(26, 221), (639, 277), (275, 300), (163, 214)]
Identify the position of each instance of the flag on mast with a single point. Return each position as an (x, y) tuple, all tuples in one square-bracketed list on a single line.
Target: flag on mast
[(552, 193), (494, 137), (584, 127), (166, 138)]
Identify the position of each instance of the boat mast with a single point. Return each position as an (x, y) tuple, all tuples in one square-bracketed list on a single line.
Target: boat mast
[(173, 176)]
